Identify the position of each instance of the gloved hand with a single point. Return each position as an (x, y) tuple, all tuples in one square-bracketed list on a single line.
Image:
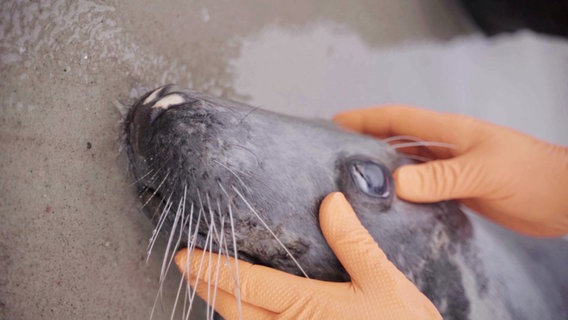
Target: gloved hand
[(511, 178), (378, 290)]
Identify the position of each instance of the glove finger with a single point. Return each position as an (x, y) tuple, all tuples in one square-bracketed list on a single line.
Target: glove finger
[(350, 241), (227, 305), (439, 180), (367, 264), (260, 286), (424, 124)]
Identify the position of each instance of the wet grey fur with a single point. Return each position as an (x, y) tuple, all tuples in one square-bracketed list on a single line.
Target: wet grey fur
[(283, 166)]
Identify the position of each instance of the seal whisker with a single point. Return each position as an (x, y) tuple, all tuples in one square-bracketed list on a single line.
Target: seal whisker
[(237, 288), (180, 213), (218, 234), (401, 137), (201, 205), (233, 173), (270, 231), (200, 269), (423, 144), (156, 191), (190, 246), (208, 250), (212, 222), (249, 151), (254, 109), (180, 286), (153, 177), (156, 230), (142, 177), (218, 266), (166, 266), (235, 272)]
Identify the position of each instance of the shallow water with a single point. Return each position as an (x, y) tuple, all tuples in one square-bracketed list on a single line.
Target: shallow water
[(72, 241)]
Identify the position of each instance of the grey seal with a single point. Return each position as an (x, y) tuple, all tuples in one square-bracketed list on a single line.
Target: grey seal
[(246, 182)]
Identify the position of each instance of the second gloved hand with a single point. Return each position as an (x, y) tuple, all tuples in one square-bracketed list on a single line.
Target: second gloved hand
[(378, 290), (511, 178)]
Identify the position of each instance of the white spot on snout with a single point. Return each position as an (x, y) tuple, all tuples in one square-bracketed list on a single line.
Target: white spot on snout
[(153, 95), (169, 101)]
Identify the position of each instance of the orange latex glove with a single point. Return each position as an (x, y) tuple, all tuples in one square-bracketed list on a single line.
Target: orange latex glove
[(511, 178), (378, 290)]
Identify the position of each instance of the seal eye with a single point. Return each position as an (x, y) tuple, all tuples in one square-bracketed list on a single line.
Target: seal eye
[(370, 177)]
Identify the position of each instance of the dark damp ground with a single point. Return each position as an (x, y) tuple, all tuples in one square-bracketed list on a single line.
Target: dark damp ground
[(72, 241)]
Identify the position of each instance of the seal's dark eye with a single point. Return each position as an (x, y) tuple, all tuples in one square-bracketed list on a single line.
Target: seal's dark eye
[(370, 177)]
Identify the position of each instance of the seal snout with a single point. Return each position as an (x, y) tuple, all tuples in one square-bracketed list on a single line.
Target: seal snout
[(148, 109), (156, 102)]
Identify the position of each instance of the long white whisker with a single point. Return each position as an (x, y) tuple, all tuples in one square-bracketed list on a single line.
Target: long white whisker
[(271, 232), (218, 267), (190, 246), (207, 249), (233, 173), (182, 222), (237, 289), (212, 217), (235, 274), (142, 177), (185, 270), (401, 137), (162, 272), (199, 270), (151, 245), (156, 230), (156, 191), (165, 265), (153, 177), (424, 144)]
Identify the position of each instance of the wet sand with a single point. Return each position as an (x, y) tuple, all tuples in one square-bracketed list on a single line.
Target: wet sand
[(72, 240)]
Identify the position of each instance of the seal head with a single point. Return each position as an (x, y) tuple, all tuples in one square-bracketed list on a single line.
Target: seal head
[(234, 178)]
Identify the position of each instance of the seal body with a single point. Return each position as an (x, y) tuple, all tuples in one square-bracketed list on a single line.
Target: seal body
[(242, 181)]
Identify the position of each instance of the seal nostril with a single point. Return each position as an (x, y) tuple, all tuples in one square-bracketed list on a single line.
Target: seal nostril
[(370, 177), (155, 113), (166, 102)]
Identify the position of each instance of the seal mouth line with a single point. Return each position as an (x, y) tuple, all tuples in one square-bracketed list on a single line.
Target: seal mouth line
[(271, 232)]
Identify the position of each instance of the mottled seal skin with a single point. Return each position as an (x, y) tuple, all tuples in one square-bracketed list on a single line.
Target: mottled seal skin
[(217, 159)]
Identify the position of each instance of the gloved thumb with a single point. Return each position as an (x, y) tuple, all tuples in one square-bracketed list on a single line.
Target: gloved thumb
[(438, 180), (349, 240)]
